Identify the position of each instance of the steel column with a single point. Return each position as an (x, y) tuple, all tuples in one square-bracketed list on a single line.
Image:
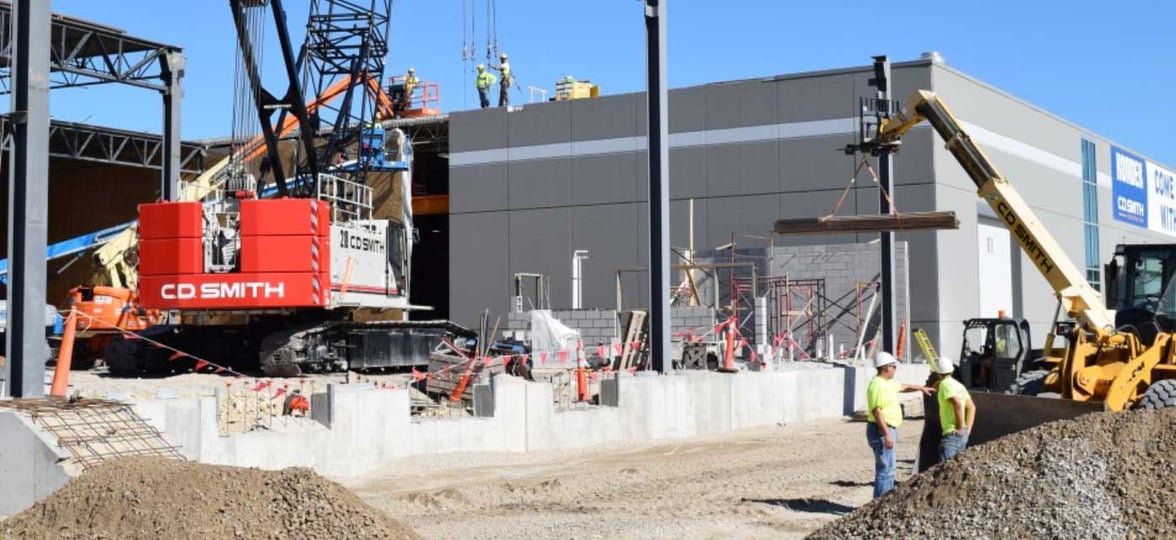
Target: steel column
[(881, 82), (28, 200), (658, 135), (173, 71)]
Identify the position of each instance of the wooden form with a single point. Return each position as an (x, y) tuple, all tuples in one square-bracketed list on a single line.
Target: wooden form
[(912, 221), (442, 381)]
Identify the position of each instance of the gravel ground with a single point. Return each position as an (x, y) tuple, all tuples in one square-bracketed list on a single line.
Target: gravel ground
[(1102, 475), (133, 498), (778, 482)]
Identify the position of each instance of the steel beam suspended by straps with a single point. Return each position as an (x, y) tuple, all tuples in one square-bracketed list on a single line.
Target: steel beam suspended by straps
[(910, 221)]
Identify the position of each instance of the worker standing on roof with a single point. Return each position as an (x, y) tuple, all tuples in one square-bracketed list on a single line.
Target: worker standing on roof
[(483, 82), (504, 84), (957, 411), (410, 84), (885, 418)]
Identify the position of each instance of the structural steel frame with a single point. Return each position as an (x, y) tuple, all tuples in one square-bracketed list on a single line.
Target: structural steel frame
[(84, 142), (84, 53)]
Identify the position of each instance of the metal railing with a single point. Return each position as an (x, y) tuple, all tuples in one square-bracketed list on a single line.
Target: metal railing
[(349, 200)]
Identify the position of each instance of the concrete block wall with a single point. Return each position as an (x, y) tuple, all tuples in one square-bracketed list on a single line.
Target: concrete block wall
[(685, 320), (603, 326), (596, 326)]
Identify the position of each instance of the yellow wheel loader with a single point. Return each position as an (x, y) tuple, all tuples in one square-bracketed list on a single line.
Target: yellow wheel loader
[(1113, 355)]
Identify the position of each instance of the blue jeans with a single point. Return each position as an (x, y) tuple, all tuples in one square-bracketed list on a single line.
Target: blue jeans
[(884, 464), (952, 444)]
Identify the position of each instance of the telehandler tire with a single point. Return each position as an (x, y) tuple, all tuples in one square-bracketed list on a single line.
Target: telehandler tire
[(1160, 395)]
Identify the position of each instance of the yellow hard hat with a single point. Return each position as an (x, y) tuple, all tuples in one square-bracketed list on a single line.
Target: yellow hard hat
[(502, 56), (411, 70), (481, 67)]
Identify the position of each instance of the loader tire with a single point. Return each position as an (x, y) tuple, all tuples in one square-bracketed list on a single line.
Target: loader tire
[(1029, 383), (1160, 395)]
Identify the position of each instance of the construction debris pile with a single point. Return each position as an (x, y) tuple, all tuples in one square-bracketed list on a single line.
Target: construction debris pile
[(1102, 475), (163, 498)]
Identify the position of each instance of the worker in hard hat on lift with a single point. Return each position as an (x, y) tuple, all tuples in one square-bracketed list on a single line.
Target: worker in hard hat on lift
[(483, 82), (504, 84), (885, 418), (957, 410), (410, 85)]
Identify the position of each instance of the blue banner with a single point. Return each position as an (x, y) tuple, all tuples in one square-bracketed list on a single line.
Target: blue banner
[(1129, 188)]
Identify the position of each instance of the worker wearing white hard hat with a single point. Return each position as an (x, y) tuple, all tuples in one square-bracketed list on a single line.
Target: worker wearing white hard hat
[(483, 82), (505, 82), (885, 419), (957, 410)]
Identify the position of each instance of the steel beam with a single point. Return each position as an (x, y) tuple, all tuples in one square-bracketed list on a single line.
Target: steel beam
[(28, 202), (83, 53), (881, 82), (83, 142), (173, 71), (659, 185), (913, 221)]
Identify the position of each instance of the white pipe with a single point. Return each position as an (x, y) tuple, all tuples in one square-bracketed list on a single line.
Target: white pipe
[(857, 353), (577, 279)]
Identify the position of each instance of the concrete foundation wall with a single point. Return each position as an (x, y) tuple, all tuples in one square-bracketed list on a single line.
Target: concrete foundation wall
[(371, 426), (359, 428), (28, 464)]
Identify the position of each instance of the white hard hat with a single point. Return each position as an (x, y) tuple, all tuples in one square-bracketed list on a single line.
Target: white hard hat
[(884, 358), (943, 365)]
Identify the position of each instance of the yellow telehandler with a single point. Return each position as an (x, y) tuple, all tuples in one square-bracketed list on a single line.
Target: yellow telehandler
[(1115, 355)]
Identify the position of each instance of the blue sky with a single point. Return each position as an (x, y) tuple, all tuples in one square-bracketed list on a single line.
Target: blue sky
[(1107, 66)]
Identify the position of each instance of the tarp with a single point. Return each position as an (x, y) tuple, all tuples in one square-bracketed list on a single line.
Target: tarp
[(550, 335)]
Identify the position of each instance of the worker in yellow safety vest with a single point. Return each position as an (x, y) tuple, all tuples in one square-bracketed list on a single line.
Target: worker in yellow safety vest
[(885, 418), (957, 410), (504, 84), (483, 82), (410, 84)]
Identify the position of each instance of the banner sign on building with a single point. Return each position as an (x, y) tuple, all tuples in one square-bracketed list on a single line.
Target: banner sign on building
[(1128, 188), (1161, 209), (1143, 193)]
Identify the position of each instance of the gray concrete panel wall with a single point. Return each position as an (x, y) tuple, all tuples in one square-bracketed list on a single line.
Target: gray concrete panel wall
[(749, 152), (479, 265)]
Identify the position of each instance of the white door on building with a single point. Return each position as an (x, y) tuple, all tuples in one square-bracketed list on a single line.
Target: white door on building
[(996, 271)]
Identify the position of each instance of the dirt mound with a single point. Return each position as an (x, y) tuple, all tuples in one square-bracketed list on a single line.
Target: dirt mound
[(1102, 475), (161, 498)]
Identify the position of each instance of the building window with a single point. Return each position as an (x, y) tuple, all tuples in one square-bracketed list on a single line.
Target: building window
[(1090, 214)]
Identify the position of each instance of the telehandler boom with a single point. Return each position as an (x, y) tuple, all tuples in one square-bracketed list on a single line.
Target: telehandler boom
[(1113, 359)]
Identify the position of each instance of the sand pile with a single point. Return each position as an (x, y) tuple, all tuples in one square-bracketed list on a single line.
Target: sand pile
[(1103, 475), (160, 498)]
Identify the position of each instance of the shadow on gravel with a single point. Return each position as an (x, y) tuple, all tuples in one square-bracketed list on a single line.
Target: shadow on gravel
[(816, 506), (850, 483)]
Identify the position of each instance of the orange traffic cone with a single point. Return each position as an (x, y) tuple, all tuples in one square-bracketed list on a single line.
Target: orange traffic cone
[(581, 372)]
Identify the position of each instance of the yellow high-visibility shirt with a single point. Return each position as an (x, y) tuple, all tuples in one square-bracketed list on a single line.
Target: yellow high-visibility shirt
[(948, 389), (485, 79), (884, 393)]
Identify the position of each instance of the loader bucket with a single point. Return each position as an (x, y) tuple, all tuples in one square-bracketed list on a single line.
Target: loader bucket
[(997, 415)]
